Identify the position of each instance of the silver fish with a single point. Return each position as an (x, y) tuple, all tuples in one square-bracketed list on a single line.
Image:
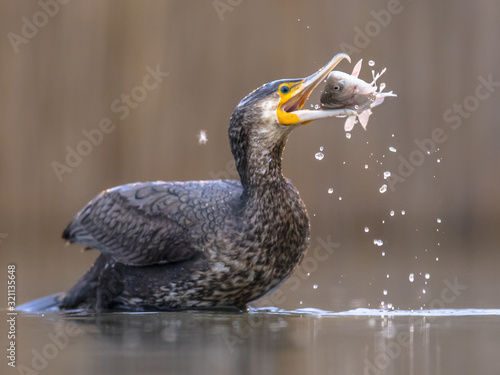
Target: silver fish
[(344, 90)]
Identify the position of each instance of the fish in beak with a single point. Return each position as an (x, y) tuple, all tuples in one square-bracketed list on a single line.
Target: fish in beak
[(344, 90)]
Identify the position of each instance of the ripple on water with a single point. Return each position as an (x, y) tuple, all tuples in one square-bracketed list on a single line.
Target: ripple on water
[(377, 312)]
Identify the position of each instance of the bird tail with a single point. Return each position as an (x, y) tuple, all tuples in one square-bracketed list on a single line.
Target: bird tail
[(48, 303)]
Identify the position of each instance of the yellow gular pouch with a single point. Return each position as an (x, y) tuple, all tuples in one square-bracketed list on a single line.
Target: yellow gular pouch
[(287, 103)]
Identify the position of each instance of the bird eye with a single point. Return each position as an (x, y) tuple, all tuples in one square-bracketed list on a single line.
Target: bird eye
[(336, 88), (285, 89)]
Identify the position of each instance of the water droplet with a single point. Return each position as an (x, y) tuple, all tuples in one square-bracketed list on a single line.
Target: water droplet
[(439, 221), (307, 26), (392, 213), (385, 292), (403, 212), (319, 155), (389, 306), (383, 188), (298, 19), (348, 135), (383, 253), (330, 191), (356, 106), (315, 286), (411, 277), (367, 229), (340, 198), (202, 137), (378, 242), (366, 166), (387, 275), (439, 160), (382, 86), (387, 174), (437, 259), (300, 303), (427, 276), (371, 63), (392, 149), (316, 106), (321, 148), (423, 291)]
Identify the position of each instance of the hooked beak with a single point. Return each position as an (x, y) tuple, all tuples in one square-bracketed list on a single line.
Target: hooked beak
[(304, 89)]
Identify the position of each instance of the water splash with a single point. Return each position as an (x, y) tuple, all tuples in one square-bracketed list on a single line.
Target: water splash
[(383, 189), (330, 191), (371, 63), (411, 277)]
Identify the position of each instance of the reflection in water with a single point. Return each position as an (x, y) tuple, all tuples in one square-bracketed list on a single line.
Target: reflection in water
[(306, 341)]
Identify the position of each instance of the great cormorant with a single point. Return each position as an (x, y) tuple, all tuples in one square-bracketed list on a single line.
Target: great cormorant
[(203, 244)]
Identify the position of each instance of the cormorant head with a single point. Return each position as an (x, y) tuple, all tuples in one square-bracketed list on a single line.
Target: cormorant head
[(280, 103), (262, 121)]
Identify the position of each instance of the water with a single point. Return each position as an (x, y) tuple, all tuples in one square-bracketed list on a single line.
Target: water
[(319, 155), (264, 341)]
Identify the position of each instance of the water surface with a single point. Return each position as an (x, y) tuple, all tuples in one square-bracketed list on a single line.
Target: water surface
[(264, 341)]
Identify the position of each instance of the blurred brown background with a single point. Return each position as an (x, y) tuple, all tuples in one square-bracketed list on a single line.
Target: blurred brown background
[(63, 76)]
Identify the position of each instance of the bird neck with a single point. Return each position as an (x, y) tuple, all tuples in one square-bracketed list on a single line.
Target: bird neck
[(260, 169), (257, 150)]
